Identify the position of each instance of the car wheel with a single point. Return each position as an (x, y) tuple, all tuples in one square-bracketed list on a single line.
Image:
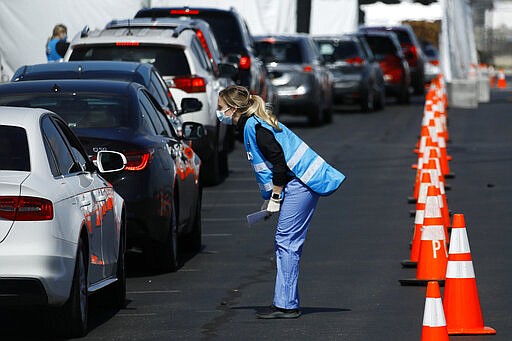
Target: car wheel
[(315, 116), (404, 97), (118, 295), (380, 101), (72, 317), (210, 170), (367, 102), (194, 239)]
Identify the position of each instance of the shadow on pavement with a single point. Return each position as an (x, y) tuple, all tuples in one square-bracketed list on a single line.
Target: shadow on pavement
[(304, 310)]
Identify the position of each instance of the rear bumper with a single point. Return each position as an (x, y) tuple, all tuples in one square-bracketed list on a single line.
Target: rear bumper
[(22, 292), (35, 267)]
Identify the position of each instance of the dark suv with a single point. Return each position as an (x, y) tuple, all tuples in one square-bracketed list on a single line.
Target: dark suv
[(298, 72), (358, 77), (412, 50), (234, 40)]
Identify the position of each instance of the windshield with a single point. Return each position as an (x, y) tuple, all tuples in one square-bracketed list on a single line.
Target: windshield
[(169, 60), (338, 50), (14, 154), (80, 111), (280, 52)]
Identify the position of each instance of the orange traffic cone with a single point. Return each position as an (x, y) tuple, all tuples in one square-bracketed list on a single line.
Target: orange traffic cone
[(434, 323), (418, 222), (433, 258), (502, 82), (462, 305)]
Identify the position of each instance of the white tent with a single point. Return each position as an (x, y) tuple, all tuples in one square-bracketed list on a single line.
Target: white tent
[(392, 14), (25, 25)]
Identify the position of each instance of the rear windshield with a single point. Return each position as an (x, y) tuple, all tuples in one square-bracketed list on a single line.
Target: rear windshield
[(338, 50), (14, 155), (403, 37), (225, 28), (280, 52), (381, 46), (80, 111), (169, 60)]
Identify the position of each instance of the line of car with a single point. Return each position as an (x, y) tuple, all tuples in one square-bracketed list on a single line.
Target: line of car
[(109, 151)]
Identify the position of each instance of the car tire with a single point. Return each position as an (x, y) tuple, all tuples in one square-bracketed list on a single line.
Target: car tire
[(194, 239), (315, 116), (118, 290), (210, 170), (404, 96), (380, 101), (368, 100), (71, 319)]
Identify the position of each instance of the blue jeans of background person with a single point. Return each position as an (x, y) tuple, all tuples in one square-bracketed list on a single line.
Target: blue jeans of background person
[(295, 215)]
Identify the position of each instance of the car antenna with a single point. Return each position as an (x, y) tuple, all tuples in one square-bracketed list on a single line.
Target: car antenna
[(129, 33)]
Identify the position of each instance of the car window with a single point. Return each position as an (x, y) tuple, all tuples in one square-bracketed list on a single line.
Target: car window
[(200, 54), (157, 91), (159, 56), (169, 100), (58, 152), (403, 36), (145, 102), (76, 148), (381, 46), (162, 117), (80, 111), (14, 153), (280, 51), (338, 50)]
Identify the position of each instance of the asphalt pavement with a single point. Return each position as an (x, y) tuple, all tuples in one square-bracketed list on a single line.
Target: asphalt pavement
[(351, 260)]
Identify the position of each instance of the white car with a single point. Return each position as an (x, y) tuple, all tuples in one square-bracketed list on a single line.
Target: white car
[(62, 227), (177, 53)]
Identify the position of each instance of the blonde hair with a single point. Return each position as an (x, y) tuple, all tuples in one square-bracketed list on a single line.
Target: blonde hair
[(58, 29), (240, 98)]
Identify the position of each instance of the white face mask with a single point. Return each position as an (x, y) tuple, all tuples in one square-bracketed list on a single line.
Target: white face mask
[(221, 115)]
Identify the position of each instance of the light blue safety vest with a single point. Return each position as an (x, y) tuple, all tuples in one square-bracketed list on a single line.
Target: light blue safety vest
[(302, 161), (51, 50)]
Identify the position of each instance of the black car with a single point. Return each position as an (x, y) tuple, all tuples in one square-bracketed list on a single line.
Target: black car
[(412, 51), (386, 49), (297, 70), (234, 40), (357, 76), (143, 73), (160, 183)]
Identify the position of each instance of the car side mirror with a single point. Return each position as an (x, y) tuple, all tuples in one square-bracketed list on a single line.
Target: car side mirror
[(193, 131), (227, 70), (190, 104), (109, 161)]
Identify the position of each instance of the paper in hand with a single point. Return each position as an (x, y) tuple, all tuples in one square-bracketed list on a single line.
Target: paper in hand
[(253, 218)]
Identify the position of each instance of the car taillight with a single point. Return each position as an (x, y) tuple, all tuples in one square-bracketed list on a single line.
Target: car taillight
[(185, 11), (190, 84), (127, 43), (137, 160), (23, 208), (244, 63), (355, 60), (434, 62), (307, 68), (201, 38), (392, 69), (411, 54)]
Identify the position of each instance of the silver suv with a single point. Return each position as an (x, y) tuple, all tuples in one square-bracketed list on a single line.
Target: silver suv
[(177, 53)]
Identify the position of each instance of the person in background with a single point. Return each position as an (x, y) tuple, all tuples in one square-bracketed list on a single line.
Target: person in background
[(56, 45), (291, 177)]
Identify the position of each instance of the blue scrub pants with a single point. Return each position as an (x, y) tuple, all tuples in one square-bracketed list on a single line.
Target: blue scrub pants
[(295, 215)]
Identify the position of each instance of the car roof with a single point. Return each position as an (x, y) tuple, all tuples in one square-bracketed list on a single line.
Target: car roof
[(200, 9), (21, 116), (83, 69), (283, 37), (341, 37), (133, 34), (70, 85)]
